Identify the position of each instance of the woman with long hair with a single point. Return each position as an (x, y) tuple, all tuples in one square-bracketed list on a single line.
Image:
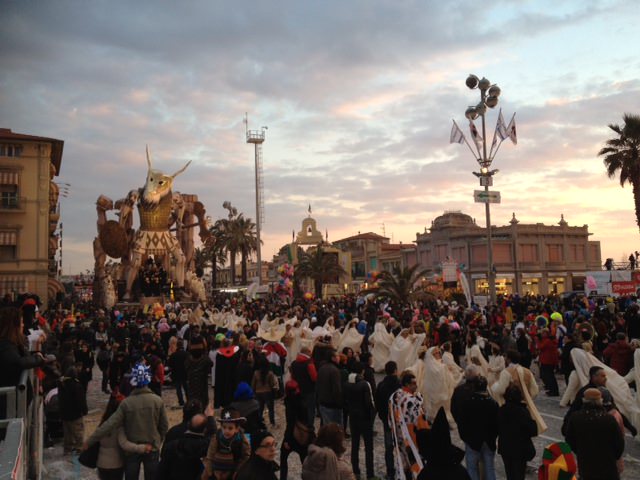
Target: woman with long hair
[(112, 447), (14, 355)]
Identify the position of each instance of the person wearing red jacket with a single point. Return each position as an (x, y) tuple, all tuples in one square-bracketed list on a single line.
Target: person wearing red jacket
[(303, 371), (548, 358), (619, 355)]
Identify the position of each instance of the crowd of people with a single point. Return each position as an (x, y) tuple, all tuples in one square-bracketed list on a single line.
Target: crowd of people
[(445, 367)]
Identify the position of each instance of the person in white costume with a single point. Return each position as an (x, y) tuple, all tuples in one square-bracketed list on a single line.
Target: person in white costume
[(616, 384), (496, 364), (404, 349), (380, 343), (457, 373), (351, 338), (522, 377), (439, 384), (475, 357)]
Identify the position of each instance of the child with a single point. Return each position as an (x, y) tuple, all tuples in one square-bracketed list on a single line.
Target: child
[(228, 449)]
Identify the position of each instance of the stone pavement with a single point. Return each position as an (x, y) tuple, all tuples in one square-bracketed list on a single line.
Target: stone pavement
[(59, 467)]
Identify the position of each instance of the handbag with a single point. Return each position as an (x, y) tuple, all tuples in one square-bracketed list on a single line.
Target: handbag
[(303, 434), (89, 457)]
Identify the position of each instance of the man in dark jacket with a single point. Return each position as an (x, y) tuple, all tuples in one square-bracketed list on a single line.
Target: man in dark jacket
[(389, 384), (181, 457), (329, 391), (619, 355), (72, 399), (362, 413), (303, 371), (176, 362), (477, 419), (595, 437)]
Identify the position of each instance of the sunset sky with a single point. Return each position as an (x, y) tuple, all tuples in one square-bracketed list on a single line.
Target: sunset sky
[(358, 97)]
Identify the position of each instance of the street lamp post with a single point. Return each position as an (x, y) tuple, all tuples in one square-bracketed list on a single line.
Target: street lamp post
[(488, 98)]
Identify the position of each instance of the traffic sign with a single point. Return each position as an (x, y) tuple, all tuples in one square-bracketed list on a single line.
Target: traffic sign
[(482, 196)]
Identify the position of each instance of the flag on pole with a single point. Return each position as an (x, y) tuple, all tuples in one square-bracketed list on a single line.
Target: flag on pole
[(475, 134), (456, 134), (511, 130), (501, 128)]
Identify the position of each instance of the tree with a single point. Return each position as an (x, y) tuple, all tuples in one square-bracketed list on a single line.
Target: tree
[(398, 285), (216, 252), (319, 266), (621, 155), (245, 231)]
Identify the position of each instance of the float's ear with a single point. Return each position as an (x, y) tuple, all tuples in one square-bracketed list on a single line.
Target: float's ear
[(148, 158), (181, 170)]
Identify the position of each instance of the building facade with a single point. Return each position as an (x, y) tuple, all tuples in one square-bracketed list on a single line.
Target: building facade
[(29, 214), (528, 258), (372, 253)]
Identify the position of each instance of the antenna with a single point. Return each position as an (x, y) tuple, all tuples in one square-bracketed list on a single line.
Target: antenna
[(384, 230), (257, 138)]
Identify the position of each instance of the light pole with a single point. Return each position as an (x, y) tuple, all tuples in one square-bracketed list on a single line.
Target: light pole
[(488, 98)]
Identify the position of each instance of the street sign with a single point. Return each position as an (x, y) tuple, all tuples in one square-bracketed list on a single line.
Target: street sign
[(482, 196), (486, 181)]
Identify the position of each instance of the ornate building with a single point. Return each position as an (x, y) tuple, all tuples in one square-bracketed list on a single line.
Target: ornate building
[(528, 258), (29, 214)]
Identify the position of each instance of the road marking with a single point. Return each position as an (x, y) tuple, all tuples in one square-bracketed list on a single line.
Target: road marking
[(556, 417)]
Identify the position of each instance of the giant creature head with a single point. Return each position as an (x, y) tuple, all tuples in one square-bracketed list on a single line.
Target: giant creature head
[(158, 184)]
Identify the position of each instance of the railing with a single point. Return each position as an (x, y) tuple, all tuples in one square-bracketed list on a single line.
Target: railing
[(22, 446)]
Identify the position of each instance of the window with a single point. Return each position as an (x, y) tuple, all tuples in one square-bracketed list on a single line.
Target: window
[(440, 252), (8, 196), (479, 255), (576, 253), (529, 253), (9, 188), (458, 254), (502, 253), (555, 252), (10, 150), (8, 245)]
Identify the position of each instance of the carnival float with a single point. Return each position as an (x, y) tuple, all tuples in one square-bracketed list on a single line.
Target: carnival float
[(154, 260)]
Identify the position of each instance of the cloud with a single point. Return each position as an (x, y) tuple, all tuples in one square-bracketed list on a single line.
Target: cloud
[(358, 98)]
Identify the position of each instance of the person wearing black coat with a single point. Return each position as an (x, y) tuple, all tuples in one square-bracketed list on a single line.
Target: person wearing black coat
[(362, 413), (477, 420), (515, 430), (596, 438), (181, 457), (176, 362), (389, 384), (72, 399), (295, 411), (261, 464)]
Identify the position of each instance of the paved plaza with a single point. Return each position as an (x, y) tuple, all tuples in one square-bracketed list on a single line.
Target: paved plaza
[(59, 467)]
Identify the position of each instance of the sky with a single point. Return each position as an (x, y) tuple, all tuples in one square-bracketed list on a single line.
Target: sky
[(358, 97)]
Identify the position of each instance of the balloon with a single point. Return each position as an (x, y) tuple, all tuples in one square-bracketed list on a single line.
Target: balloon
[(591, 283)]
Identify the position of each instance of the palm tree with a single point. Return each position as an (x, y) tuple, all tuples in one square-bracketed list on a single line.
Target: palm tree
[(398, 285), (216, 252), (245, 231), (201, 259), (318, 266), (622, 154), (223, 231)]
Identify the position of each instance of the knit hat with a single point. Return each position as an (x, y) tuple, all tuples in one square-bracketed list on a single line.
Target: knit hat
[(140, 376), (243, 392), (257, 438)]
